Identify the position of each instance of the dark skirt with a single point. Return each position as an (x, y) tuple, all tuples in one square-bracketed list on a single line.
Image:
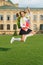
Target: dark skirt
[(22, 32)]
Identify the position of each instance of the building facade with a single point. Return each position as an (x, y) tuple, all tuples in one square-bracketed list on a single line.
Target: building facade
[(8, 21), (8, 12), (37, 19)]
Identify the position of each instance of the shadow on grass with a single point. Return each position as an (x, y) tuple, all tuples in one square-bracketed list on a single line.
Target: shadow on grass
[(4, 49)]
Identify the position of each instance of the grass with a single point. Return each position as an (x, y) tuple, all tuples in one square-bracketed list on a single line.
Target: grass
[(20, 53)]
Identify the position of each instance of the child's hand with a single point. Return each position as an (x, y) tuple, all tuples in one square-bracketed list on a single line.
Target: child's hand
[(26, 29)]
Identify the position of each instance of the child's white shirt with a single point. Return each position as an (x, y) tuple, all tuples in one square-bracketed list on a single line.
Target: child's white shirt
[(23, 22)]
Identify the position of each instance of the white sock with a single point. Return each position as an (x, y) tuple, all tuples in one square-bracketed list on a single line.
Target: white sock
[(13, 39), (17, 39)]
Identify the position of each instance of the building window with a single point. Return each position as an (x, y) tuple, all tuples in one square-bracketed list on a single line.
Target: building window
[(1, 26), (1, 17), (41, 17), (35, 17), (8, 26), (41, 26), (14, 17), (14, 27), (8, 17), (34, 27)]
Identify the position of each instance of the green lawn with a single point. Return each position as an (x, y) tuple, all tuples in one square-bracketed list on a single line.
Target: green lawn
[(19, 53)]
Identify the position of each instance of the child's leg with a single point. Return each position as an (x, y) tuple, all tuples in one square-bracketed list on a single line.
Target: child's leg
[(14, 39), (23, 38), (30, 34), (33, 32)]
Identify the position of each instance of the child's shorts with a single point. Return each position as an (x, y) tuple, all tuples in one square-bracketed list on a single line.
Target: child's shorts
[(22, 32)]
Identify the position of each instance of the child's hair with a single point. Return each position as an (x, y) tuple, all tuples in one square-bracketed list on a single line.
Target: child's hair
[(22, 11), (17, 14)]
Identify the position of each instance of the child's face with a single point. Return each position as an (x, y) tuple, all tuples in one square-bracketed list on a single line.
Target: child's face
[(22, 14)]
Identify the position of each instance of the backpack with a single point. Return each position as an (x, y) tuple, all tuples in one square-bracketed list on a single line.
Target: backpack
[(18, 22)]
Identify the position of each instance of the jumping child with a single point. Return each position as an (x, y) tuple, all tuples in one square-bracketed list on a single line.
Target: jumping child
[(24, 31)]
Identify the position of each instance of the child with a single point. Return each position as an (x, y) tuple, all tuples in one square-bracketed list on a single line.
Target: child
[(24, 29)]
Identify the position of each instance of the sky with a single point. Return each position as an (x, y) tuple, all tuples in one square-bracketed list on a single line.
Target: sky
[(29, 3)]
